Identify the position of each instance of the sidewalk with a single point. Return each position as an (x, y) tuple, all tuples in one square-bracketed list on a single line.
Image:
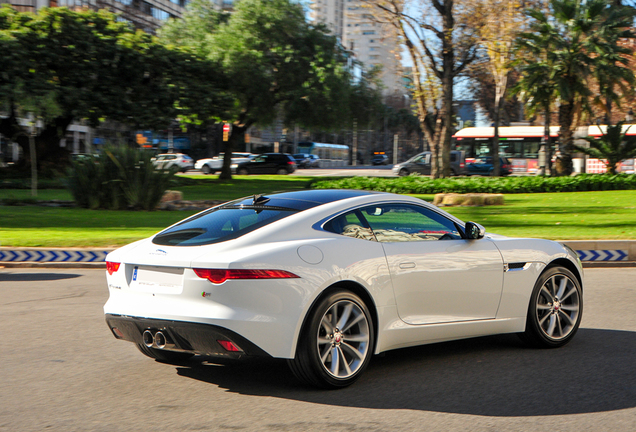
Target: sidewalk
[(593, 253)]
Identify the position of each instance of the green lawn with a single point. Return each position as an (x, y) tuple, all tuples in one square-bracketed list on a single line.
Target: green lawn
[(576, 215), (206, 187), (608, 215)]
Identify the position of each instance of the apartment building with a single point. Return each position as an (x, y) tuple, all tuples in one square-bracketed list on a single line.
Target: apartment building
[(369, 42), (147, 15)]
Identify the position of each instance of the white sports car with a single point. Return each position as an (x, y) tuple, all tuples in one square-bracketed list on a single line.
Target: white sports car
[(327, 278), (212, 165)]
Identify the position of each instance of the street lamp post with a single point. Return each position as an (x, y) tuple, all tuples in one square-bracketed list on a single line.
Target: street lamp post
[(34, 163)]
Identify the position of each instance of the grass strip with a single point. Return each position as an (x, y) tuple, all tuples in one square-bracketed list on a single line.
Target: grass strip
[(566, 215)]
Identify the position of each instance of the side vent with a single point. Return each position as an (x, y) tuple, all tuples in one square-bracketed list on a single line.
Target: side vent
[(515, 266)]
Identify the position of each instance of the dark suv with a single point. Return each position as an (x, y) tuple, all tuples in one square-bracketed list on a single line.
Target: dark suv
[(421, 164), (268, 163)]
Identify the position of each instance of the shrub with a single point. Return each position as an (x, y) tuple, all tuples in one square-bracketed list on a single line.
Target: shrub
[(120, 178), (415, 184)]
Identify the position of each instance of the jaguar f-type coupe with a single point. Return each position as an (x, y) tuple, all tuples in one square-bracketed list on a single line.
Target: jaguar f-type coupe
[(328, 278)]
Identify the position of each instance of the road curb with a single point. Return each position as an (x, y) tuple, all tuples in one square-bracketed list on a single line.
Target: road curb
[(593, 253)]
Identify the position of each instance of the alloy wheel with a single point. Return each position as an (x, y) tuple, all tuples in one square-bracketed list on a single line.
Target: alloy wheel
[(558, 307), (343, 339)]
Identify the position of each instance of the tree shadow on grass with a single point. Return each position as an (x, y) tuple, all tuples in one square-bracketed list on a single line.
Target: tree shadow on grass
[(490, 376)]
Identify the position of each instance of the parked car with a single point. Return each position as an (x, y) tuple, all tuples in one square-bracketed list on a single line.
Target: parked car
[(169, 160), (306, 160), (212, 165), (484, 166), (268, 163), (421, 164), (328, 278), (380, 159)]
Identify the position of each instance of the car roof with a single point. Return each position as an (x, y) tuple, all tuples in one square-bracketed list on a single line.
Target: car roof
[(301, 200)]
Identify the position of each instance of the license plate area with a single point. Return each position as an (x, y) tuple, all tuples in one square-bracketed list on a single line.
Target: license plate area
[(156, 279)]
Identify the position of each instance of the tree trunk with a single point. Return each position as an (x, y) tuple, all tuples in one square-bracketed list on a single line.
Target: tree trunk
[(448, 67), (496, 169), (564, 152), (236, 137), (548, 141)]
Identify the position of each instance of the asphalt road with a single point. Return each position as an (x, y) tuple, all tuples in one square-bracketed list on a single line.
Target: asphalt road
[(348, 171), (62, 370)]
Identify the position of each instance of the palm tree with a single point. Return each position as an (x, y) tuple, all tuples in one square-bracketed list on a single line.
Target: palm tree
[(612, 146), (578, 44), (611, 63), (535, 85)]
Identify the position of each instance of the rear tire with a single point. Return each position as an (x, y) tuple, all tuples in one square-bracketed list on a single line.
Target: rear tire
[(555, 310), (336, 343), (205, 169), (164, 356), (282, 171)]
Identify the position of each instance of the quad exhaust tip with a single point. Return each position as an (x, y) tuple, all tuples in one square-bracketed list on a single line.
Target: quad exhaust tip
[(148, 338), (158, 340)]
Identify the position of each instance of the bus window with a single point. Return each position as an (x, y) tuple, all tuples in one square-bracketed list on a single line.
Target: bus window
[(531, 149)]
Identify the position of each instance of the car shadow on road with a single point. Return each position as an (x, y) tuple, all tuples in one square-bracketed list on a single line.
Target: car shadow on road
[(490, 376), (36, 277)]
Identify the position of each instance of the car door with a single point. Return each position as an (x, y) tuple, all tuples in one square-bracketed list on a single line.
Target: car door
[(437, 276), (479, 167), (258, 164), (421, 164)]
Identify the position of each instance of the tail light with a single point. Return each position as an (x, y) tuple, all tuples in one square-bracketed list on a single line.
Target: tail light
[(112, 267), (229, 346), (462, 164), (291, 163), (218, 276)]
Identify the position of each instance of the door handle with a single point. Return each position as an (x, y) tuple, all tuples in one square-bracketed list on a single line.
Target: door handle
[(407, 265)]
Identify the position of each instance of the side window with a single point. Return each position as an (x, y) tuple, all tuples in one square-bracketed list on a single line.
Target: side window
[(350, 225), (406, 223)]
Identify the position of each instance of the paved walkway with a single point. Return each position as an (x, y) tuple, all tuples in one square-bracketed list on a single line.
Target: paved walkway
[(593, 253)]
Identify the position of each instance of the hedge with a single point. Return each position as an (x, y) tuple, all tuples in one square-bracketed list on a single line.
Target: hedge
[(415, 184)]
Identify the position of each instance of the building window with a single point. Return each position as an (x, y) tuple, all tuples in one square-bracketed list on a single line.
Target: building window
[(160, 14), (368, 32)]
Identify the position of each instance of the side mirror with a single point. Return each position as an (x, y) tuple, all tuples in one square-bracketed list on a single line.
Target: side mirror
[(474, 231), (375, 211)]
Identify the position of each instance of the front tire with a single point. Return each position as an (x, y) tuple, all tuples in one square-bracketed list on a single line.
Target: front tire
[(205, 169), (403, 172), (242, 171), (336, 343), (555, 309)]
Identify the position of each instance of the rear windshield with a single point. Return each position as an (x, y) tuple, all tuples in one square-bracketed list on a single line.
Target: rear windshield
[(220, 224)]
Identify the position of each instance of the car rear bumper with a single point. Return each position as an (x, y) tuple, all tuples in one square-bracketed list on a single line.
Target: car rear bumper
[(183, 336)]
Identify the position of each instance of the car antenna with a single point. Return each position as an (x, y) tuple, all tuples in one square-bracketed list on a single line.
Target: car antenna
[(260, 199)]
